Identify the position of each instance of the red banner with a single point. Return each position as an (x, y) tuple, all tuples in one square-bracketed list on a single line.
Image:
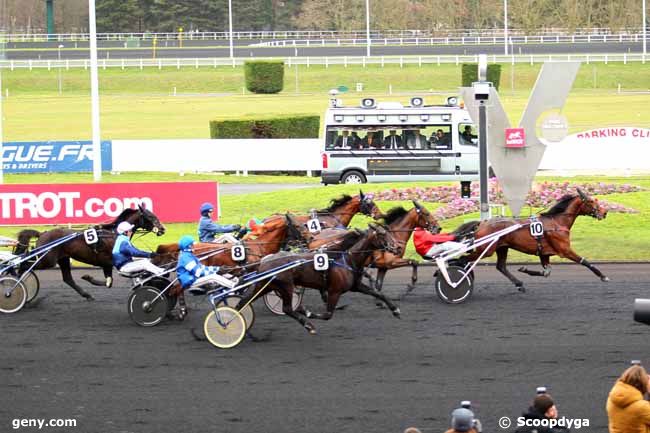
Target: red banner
[(102, 202)]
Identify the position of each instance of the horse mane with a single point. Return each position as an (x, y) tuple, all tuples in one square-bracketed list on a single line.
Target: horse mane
[(561, 205), (336, 203), (466, 228), (394, 214), (123, 216)]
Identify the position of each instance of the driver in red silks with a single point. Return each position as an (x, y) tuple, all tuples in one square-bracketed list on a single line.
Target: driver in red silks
[(429, 245)]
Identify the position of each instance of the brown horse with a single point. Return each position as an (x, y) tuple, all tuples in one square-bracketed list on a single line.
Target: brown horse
[(401, 224), (344, 274), (341, 211), (556, 238), (99, 254), (269, 237)]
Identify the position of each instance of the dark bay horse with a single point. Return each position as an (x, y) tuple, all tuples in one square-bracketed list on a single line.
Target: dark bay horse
[(556, 239), (99, 254), (341, 210), (401, 224), (344, 274)]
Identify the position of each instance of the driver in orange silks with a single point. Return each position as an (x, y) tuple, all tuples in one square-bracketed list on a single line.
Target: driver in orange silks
[(429, 245)]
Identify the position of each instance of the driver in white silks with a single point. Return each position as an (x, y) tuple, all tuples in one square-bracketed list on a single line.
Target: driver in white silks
[(124, 251), (191, 272), (430, 246)]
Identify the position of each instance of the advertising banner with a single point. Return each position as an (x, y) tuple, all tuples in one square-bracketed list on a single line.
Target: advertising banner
[(98, 203), (601, 150), (53, 156)]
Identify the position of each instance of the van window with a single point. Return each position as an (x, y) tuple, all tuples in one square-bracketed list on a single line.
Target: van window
[(467, 134)]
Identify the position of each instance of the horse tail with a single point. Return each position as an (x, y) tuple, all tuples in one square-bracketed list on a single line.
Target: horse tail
[(466, 229), (24, 237)]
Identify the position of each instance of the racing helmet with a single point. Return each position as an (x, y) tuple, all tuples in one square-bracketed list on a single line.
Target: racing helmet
[(186, 242), (124, 227), (462, 419), (205, 207)]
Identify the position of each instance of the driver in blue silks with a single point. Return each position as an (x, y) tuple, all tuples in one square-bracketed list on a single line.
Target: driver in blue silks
[(208, 228), (190, 271)]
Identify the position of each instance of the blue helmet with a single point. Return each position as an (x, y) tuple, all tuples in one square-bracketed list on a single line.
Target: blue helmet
[(185, 242), (206, 207)]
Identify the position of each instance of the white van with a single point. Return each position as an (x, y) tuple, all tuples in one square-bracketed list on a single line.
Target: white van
[(388, 142)]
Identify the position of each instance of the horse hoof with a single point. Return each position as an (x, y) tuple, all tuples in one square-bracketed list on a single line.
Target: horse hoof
[(310, 328), (521, 288), (522, 269), (380, 305), (397, 313), (604, 279), (87, 278), (89, 298)]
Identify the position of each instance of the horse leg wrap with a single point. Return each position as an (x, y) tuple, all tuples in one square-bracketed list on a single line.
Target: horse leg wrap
[(109, 282)]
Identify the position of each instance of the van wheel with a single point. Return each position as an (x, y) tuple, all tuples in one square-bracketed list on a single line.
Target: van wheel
[(353, 176)]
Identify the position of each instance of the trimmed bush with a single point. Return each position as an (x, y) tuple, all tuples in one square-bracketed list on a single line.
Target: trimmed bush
[(276, 127), (264, 76), (470, 74)]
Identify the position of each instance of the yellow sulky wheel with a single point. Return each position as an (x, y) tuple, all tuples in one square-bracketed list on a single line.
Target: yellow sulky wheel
[(224, 327)]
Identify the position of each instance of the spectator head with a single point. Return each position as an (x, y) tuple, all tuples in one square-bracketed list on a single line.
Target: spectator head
[(468, 129), (392, 132), (637, 377), (346, 132), (439, 133), (545, 405), (462, 420)]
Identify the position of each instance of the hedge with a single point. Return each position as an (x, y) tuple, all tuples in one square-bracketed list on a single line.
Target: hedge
[(264, 76), (469, 73), (276, 127)]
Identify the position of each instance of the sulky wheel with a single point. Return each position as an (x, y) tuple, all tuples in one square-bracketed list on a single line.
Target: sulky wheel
[(224, 327), (13, 295), (247, 313), (162, 283), (450, 294), (32, 285), (147, 307), (273, 301)]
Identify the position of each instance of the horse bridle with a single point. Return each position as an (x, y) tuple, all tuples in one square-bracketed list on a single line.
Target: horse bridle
[(367, 205), (428, 226)]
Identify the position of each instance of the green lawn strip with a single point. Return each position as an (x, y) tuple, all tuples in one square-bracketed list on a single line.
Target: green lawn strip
[(107, 177), (618, 237), (147, 117)]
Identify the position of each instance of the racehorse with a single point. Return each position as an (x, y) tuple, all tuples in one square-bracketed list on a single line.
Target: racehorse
[(343, 275), (99, 254), (556, 238), (341, 211), (401, 223)]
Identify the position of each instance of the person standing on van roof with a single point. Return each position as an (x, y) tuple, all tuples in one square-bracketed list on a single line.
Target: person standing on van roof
[(417, 141), (371, 141), (393, 141), (344, 141)]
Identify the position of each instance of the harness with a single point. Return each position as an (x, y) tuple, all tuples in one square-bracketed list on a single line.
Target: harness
[(537, 232)]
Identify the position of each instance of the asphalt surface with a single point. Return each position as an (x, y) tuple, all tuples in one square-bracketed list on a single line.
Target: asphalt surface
[(212, 50), (365, 371)]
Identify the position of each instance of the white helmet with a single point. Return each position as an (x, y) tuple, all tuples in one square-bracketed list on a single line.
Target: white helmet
[(124, 227)]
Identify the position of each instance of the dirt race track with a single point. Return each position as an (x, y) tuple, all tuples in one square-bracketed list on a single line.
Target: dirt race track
[(364, 372)]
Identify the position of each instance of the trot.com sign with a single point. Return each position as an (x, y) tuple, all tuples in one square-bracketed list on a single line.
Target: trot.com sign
[(98, 203)]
